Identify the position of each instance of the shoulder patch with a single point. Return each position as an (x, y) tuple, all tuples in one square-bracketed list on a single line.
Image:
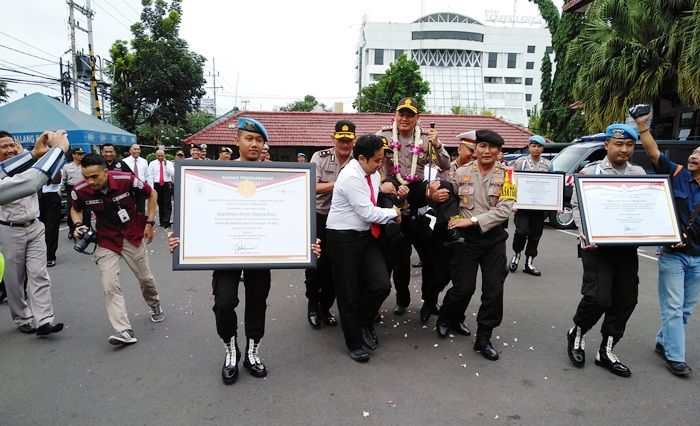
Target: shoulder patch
[(325, 153), (74, 195)]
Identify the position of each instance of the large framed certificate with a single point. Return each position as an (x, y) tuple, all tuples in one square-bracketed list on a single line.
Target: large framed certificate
[(539, 190), (627, 209), (244, 215)]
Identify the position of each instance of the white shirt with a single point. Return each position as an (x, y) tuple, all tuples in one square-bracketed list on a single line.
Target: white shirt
[(351, 205), (154, 171), (142, 165)]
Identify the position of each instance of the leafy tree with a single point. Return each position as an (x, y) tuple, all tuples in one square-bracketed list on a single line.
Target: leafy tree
[(158, 80), (309, 103), (545, 114), (459, 109), (196, 121), (402, 79), (4, 92), (634, 56), (565, 123), (535, 121), (486, 112)]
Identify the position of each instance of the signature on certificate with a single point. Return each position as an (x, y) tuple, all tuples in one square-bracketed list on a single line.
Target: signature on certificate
[(240, 247)]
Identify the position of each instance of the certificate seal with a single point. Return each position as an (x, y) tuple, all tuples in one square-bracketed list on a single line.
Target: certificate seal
[(246, 188)]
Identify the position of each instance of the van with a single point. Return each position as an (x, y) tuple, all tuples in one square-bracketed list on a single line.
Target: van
[(576, 156)]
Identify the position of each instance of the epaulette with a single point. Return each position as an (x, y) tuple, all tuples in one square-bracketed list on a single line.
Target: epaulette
[(325, 153), (386, 129)]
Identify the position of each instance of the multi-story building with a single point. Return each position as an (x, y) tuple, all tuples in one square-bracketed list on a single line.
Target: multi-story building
[(466, 63)]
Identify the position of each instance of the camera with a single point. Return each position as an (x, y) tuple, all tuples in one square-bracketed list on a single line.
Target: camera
[(692, 233), (639, 110), (89, 236)]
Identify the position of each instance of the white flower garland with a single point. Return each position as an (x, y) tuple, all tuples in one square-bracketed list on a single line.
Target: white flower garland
[(416, 149)]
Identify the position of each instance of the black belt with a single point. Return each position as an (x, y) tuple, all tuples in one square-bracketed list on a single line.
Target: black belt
[(348, 232), (18, 224)]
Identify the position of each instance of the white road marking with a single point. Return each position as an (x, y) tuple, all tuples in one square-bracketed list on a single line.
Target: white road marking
[(640, 252)]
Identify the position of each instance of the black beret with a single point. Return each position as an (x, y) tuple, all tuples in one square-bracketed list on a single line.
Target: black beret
[(490, 137)]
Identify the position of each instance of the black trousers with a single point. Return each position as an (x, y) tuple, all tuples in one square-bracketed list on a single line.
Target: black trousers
[(165, 202), (441, 264), (528, 228), (610, 287), (319, 281), (69, 220), (50, 215), (488, 252), (360, 278), (225, 289), (417, 233)]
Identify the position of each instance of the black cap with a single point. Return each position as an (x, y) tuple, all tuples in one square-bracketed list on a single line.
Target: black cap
[(490, 137), (344, 129), (408, 103), (226, 149)]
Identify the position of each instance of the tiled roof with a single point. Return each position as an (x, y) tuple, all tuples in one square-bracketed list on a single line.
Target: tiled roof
[(316, 128)]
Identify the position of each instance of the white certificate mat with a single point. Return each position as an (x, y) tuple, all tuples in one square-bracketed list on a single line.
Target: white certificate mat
[(539, 191), (627, 209), (244, 215)]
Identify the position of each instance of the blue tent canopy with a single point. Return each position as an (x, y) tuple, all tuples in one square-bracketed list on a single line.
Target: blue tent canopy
[(29, 117)]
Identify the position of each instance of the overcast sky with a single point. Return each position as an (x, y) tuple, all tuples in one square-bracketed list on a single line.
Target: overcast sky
[(267, 52)]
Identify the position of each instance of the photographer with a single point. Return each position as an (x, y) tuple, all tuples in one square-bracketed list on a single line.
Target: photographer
[(121, 230), (679, 265)]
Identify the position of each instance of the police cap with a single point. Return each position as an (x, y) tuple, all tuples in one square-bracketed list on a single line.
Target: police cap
[(344, 129), (490, 137), (252, 125), (621, 131), (408, 103)]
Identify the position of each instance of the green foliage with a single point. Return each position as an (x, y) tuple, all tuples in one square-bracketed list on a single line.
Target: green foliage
[(157, 80), (402, 79), (173, 134), (486, 112), (4, 92), (152, 156), (459, 109), (309, 103), (632, 56)]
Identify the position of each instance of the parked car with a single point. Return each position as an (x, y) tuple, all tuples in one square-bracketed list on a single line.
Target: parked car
[(576, 156), (551, 150)]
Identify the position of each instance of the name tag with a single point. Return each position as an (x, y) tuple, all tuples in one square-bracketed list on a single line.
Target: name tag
[(121, 197), (93, 202)]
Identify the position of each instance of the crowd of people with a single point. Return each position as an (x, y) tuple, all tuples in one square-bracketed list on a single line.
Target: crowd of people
[(375, 195)]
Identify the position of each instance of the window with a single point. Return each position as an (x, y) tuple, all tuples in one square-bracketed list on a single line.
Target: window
[(493, 80), (446, 35), (548, 50), (528, 81), (530, 65), (531, 49), (514, 80), (512, 60), (493, 60), (528, 97), (378, 56), (375, 77), (528, 112), (397, 54)]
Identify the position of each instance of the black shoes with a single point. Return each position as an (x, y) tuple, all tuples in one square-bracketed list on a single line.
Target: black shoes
[(50, 263), (576, 346), (392, 231), (513, 266), (369, 338), (328, 319), (252, 359), (27, 329), (443, 328), (399, 310), (461, 328), (483, 345), (454, 239), (359, 355), (312, 315), (678, 368), (605, 358), (427, 310), (229, 373), (529, 268), (49, 328)]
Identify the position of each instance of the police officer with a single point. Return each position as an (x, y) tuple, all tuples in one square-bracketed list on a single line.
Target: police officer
[(225, 153), (486, 198), (329, 162), (195, 152), (610, 273), (109, 153), (72, 174), (441, 253), (408, 141), (529, 224)]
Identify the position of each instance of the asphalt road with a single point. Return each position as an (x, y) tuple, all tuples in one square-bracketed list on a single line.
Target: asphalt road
[(172, 375)]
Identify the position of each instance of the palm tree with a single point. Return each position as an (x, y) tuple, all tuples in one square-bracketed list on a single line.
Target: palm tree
[(637, 51), (4, 92)]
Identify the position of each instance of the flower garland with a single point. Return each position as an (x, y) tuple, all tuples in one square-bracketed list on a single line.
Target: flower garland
[(416, 150)]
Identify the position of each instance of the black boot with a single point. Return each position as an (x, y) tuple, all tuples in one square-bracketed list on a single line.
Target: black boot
[(575, 346), (229, 373), (484, 346), (252, 359), (312, 315), (606, 358), (529, 268), (513, 266)]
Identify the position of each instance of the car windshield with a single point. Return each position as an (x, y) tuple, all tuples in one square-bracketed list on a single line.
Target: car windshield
[(567, 158)]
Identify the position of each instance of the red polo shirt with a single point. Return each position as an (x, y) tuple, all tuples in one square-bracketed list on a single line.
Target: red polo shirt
[(120, 191)]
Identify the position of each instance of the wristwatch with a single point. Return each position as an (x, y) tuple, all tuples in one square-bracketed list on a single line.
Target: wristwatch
[(474, 220), (151, 222)]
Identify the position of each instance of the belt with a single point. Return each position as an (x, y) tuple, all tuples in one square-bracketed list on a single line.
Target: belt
[(18, 224), (348, 232)]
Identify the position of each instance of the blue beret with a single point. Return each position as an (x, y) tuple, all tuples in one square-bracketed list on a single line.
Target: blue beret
[(621, 131), (252, 125), (537, 139)]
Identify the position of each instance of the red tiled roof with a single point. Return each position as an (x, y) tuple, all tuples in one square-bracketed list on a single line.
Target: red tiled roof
[(316, 128), (576, 5)]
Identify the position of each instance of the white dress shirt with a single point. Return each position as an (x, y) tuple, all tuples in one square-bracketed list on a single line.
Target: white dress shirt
[(351, 205), (154, 171), (142, 165)]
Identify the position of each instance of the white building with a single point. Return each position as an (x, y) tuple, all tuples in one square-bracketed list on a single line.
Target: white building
[(466, 63)]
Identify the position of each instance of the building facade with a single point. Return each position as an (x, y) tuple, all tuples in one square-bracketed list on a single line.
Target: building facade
[(466, 63)]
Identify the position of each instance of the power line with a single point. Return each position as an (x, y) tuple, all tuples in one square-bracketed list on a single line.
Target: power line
[(30, 45), (129, 6), (28, 54), (113, 17), (40, 75), (118, 11)]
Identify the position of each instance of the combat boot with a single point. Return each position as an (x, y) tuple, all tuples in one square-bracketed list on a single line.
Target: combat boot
[(514, 262), (229, 373), (252, 359), (529, 268), (606, 358)]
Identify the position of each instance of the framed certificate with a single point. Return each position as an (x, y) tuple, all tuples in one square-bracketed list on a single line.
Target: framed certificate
[(244, 215), (539, 190), (635, 210)]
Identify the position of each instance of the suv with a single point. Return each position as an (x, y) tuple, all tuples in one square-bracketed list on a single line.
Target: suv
[(575, 157)]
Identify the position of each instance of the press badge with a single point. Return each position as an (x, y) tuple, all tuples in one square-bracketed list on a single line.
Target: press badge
[(123, 215)]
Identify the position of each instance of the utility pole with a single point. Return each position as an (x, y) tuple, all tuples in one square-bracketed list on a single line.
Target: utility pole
[(214, 87), (245, 104), (89, 15), (74, 66)]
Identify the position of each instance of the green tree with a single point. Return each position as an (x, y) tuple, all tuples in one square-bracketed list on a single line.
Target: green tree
[(196, 121), (307, 104), (565, 123), (4, 92), (459, 109), (401, 80), (158, 80), (634, 56), (545, 114)]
